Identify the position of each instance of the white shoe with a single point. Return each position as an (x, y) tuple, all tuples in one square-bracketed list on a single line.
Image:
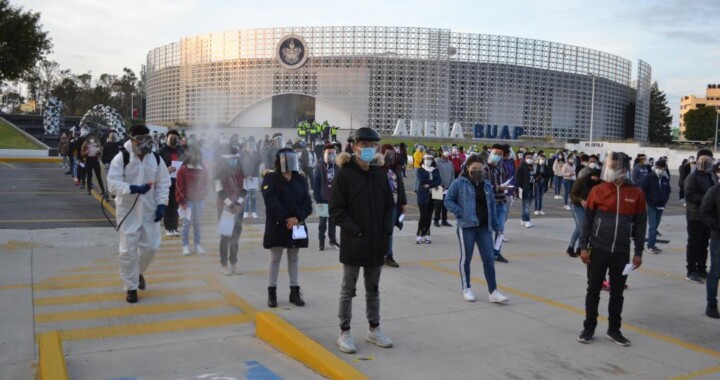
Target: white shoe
[(536, 212), (199, 250), (245, 215), (528, 224), (186, 250), (168, 233), (225, 270), (468, 295), (378, 338), (522, 223), (345, 343), (556, 197), (428, 240), (684, 204), (541, 212), (505, 239), (497, 297), (235, 269), (566, 207), (418, 240), (254, 215)]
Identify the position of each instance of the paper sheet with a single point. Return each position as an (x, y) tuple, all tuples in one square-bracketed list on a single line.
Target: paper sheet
[(627, 270), (227, 223), (508, 182), (436, 193), (401, 218), (251, 183), (498, 242), (176, 165), (185, 213), (299, 232), (322, 210)]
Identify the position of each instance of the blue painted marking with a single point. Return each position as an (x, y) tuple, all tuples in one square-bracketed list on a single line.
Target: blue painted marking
[(257, 371)]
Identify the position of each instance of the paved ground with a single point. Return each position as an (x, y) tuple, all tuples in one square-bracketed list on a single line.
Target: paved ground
[(192, 322)]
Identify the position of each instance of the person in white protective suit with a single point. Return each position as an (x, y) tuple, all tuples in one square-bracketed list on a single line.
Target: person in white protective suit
[(141, 183)]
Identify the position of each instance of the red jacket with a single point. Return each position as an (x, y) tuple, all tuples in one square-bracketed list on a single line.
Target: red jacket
[(192, 184)]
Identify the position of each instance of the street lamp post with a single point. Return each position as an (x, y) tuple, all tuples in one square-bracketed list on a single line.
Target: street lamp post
[(132, 105), (592, 107)]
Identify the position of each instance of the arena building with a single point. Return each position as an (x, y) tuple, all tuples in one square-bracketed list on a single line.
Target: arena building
[(380, 77)]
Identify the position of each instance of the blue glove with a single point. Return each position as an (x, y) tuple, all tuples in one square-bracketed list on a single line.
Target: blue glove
[(139, 189), (159, 211)]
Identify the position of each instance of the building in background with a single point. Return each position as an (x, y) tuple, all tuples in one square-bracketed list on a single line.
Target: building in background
[(690, 102), (375, 76)]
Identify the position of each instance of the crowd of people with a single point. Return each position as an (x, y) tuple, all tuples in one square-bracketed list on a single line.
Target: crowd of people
[(361, 190)]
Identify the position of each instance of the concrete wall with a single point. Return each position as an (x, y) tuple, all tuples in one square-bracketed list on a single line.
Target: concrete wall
[(334, 115), (256, 115), (675, 157)]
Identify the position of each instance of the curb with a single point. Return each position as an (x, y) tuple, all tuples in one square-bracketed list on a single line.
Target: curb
[(283, 336), (52, 360), (31, 159)]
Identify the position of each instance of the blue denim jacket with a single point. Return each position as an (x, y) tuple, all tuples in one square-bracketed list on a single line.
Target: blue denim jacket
[(460, 200)]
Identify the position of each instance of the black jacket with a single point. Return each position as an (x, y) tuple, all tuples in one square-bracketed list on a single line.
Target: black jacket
[(524, 180), (696, 185), (284, 199), (109, 151), (361, 204), (166, 154), (710, 211)]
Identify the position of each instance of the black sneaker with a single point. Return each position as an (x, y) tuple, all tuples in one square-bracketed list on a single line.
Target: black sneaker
[(694, 277), (571, 252), (586, 336), (501, 259), (712, 311), (321, 246), (132, 296), (436, 224), (703, 275), (654, 250), (446, 224), (335, 244), (618, 338), (141, 283), (389, 261)]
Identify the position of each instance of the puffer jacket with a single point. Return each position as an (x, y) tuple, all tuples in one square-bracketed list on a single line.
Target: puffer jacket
[(361, 204), (710, 211), (460, 200), (613, 216), (283, 200), (696, 185)]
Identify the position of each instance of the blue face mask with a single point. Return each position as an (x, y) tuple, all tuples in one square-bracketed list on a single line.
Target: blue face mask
[(495, 158), (367, 154)]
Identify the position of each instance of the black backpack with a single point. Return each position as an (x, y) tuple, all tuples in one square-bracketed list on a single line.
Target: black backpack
[(126, 157)]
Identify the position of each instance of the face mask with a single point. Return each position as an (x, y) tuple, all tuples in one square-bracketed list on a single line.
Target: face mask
[(495, 158), (428, 163), (84, 132), (454, 151), (329, 158), (542, 162), (560, 156), (92, 141), (143, 147), (592, 165), (367, 154), (610, 175), (704, 165), (659, 172), (477, 175), (529, 161)]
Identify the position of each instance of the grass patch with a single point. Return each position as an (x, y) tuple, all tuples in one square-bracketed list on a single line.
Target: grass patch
[(436, 143), (10, 138)]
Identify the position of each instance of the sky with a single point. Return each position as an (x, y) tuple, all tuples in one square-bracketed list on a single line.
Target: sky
[(679, 39)]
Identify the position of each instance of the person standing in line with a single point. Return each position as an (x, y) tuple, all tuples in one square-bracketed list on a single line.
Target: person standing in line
[(402, 151), (231, 196), (324, 174), (497, 177), (558, 174), (542, 174), (428, 178), (615, 215), (138, 215), (687, 167), (417, 163), (91, 153), (578, 196), (640, 170), (592, 164), (110, 149), (568, 172), (172, 151), (64, 149), (190, 193), (710, 215), (696, 185), (362, 205), (471, 199), (287, 205), (397, 186), (250, 161), (525, 181), (656, 187), (447, 173), (457, 162)]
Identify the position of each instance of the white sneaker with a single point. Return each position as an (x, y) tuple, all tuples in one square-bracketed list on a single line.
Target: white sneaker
[(168, 233), (225, 270), (345, 343), (428, 240), (378, 338), (468, 295), (536, 212), (254, 215), (541, 212), (566, 207), (556, 197), (418, 240), (497, 297), (522, 223), (528, 224), (235, 269), (186, 250), (199, 250), (505, 239), (245, 215)]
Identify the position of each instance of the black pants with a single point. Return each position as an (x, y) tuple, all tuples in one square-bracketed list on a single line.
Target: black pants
[(425, 218), (171, 216), (327, 224), (440, 210), (229, 245), (93, 165), (697, 246), (602, 262)]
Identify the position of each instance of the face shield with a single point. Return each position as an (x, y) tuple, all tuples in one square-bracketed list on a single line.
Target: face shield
[(289, 162), (617, 166), (704, 163), (233, 161), (278, 141), (445, 150)]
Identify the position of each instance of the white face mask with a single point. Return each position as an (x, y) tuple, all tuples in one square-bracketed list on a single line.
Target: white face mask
[(659, 172), (592, 165), (428, 163), (542, 162), (529, 161)]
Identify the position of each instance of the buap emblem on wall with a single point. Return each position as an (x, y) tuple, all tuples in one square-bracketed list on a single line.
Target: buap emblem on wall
[(292, 51)]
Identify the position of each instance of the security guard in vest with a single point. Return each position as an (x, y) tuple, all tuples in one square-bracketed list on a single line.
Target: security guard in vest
[(333, 133)]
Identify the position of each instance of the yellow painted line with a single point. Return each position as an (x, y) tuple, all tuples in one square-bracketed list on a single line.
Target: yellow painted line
[(15, 286), (127, 311), (285, 337), (114, 274), (696, 374), (39, 192), (51, 358), (104, 283), (109, 297), (51, 220), (578, 311), (230, 296), (113, 268), (30, 159), (155, 327)]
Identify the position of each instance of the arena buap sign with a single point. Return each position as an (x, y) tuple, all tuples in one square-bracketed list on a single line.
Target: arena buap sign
[(442, 129)]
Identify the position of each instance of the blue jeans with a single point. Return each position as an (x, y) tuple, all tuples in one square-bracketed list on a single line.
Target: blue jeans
[(501, 213), (567, 186), (578, 213), (539, 193), (526, 207), (482, 237), (389, 253), (251, 201), (557, 182), (197, 208), (653, 216), (714, 274)]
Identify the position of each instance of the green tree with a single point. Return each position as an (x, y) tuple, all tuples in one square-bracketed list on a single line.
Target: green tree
[(700, 124), (22, 41), (660, 130)]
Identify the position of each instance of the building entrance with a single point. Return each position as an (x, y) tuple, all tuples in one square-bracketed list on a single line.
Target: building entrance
[(289, 109)]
